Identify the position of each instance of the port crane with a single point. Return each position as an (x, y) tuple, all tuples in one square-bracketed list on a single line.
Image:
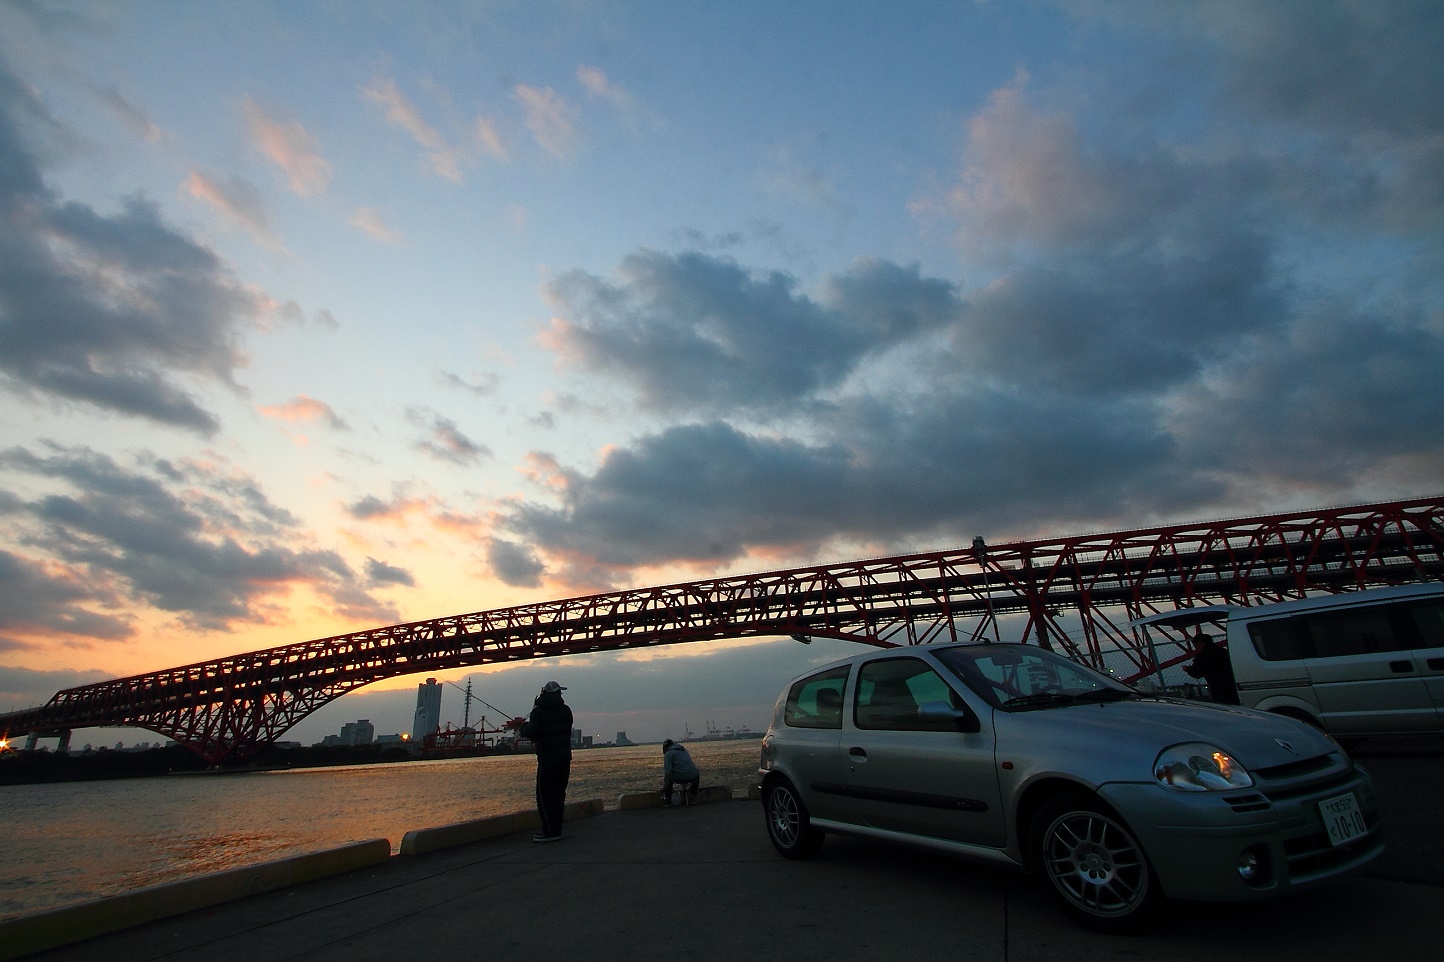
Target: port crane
[(467, 738)]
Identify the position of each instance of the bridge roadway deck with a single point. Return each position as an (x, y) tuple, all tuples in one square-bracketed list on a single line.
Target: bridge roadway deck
[(702, 883)]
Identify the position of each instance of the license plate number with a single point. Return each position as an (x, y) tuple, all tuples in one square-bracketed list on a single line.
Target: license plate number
[(1342, 818)]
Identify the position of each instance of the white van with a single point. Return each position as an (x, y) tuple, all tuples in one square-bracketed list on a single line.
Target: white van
[(1356, 663)]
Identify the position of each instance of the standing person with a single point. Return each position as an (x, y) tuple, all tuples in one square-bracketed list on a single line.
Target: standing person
[(550, 730), (678, 769), (1210, 662)]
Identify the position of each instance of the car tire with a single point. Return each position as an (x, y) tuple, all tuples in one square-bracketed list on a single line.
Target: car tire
[(788, 824), (1092, 864)]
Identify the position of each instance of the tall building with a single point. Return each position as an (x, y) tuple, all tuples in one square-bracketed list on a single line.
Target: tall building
[(358, 732), (428, 710)]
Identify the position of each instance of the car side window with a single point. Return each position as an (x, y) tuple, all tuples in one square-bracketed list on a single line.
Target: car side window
[(816, 701), (890, 691)]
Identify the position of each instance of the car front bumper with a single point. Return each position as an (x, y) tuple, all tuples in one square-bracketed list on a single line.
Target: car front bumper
[(1196, 842)]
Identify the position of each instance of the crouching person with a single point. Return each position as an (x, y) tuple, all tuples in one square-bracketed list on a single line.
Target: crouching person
[(678, 770)]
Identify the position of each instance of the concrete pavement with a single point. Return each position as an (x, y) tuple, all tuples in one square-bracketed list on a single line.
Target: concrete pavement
[(703, 883)]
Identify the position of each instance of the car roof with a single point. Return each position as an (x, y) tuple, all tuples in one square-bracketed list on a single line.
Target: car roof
[(905, 649)]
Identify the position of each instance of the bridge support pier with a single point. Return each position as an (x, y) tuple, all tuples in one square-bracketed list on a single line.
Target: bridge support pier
[(63, 734)]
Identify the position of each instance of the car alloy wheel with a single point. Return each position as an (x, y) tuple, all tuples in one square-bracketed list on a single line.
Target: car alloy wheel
[(1095, 868), (788, 824)]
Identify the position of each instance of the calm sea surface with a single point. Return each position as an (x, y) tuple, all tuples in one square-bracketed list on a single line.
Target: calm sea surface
[(70, 842)]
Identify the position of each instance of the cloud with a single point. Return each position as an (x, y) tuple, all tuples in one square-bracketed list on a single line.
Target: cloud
[(368, 220), (235, 197), (40, 599), (551, 120), (399, 509), (29, 688), (290, 147), (131, 116), (485, 385), (305, 409), (1165, 318), (444, 440), (380, 573), (514, 564), (443, 158), (598, 85), (191, 538), (106, 310), (488, 140), (692, 332)]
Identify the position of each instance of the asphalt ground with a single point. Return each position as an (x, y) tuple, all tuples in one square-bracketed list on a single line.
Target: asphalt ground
[(703, 883)]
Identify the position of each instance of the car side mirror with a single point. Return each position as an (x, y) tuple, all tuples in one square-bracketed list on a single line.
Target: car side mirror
[(943, 715)]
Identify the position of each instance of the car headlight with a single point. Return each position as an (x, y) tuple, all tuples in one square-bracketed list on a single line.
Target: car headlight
[(1199, 767)]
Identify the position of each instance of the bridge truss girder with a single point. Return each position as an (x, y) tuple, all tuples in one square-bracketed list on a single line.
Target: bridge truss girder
[(1076, 594)]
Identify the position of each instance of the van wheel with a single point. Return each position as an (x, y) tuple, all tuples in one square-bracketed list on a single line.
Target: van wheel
[(788, 824), (1094, 867)]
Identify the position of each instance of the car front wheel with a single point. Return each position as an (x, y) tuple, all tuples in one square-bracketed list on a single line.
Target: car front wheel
[(788, 824), (1094, 868)]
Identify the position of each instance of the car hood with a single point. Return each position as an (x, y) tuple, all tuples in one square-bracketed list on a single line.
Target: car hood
[(1147, 726)]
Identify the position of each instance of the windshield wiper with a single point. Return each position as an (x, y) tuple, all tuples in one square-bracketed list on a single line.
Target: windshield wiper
[(1107, 694), (1040, 699)]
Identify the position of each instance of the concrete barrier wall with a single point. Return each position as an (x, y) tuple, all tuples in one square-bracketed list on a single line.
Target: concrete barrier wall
[(75, 923)]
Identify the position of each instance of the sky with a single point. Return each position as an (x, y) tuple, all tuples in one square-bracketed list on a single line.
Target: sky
[(319, 316)]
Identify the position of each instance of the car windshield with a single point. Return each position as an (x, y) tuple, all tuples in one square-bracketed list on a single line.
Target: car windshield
[(1022, 678)]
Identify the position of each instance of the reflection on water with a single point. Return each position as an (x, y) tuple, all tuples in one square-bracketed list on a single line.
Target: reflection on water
[(81, 840)]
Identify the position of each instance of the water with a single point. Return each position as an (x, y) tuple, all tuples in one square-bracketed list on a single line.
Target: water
[(70, 842)]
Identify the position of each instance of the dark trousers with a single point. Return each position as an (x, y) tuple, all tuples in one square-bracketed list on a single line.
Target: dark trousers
[(552, 775), (687, 785)]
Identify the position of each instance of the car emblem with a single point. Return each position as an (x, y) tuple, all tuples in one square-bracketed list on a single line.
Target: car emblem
[(1286, 746)]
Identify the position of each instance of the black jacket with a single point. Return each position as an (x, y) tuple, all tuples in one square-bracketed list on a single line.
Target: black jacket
[(550, 726)]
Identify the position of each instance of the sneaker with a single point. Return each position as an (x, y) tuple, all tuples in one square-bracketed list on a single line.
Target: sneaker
[(539, 837)]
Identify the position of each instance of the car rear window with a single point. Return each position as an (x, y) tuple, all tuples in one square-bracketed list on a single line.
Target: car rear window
[(816, 701)]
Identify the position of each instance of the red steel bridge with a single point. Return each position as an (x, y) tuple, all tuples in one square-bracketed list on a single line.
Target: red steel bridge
[(1074, 594)]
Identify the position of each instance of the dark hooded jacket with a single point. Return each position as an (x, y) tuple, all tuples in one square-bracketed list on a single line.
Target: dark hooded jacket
[(550, 726)]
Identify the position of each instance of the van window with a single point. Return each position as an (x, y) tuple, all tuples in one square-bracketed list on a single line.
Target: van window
[(1275, 639), (1363, 631), (1429, 619), (816, 701)]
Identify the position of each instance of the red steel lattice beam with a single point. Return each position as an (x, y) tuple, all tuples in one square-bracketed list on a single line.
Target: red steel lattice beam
[(1076, 594)]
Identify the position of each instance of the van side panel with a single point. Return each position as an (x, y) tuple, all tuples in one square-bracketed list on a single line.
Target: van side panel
[(1364, 670), (1360, 663), (1270, 671), (1429, 655)]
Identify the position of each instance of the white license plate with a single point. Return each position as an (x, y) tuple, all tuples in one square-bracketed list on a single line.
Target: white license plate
[(1342, 818)]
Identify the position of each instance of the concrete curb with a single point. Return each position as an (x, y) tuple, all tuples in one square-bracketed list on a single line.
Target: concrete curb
[(714, 793), (422, 840), (86, 920)]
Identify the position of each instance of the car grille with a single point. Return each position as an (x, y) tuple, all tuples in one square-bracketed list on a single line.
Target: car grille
[(1286, 782)]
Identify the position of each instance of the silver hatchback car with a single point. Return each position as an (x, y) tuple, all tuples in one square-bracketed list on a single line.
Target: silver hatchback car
[(1015, 756)]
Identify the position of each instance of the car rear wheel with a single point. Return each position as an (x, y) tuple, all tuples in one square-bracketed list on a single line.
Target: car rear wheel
[(788, 824), (1094, 867)]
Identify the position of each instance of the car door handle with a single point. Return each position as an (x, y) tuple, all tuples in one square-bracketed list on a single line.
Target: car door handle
[(1436, 664), (1401, 666), (857, 754)]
